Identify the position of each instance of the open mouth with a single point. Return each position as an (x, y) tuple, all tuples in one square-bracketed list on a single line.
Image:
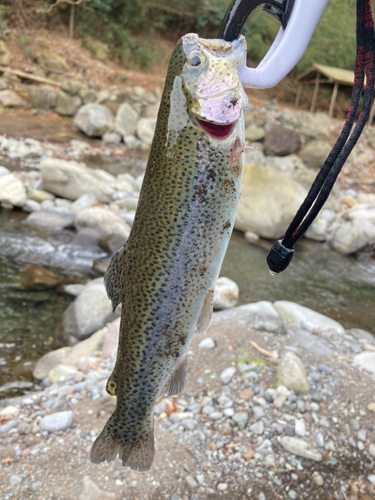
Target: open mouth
[(215, 130)]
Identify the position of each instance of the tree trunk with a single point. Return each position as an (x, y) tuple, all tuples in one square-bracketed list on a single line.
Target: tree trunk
[(71, 21)]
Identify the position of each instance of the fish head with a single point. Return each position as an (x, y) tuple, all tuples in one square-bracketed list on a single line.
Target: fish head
[(211, 83)]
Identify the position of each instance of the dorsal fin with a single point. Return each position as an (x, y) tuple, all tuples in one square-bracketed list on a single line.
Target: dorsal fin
[(114, 277), (206, 312)]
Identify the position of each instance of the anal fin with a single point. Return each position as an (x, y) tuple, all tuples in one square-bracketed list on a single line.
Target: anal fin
[(115, 277), (206, 312), (177, 381)]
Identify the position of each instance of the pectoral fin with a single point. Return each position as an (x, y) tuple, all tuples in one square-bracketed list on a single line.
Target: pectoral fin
[(177, 381), (206, 312), (115, 276)]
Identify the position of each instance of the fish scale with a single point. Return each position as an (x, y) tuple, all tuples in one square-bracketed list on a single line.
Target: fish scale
[(166, 273)]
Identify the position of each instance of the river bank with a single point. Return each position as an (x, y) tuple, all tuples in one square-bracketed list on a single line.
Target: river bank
[(236, 431)]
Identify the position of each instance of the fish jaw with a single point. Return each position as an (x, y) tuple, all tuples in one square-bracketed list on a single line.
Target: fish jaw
[(211, 80)]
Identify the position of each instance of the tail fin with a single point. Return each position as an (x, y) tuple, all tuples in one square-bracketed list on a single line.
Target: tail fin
[(138, 454)]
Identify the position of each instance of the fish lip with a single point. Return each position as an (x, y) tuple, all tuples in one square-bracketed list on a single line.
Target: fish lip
[(219, 131)]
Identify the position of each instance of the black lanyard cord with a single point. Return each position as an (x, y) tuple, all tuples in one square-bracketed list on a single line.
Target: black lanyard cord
[(282, 252)]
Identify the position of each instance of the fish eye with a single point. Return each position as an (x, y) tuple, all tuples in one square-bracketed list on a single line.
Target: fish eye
[(196, 60)]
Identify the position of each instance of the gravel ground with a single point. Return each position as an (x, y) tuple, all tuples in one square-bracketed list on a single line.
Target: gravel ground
[(231, 434)]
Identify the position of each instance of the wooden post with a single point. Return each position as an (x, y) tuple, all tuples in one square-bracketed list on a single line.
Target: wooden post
[(333, 99), (298, 96), (315, 94), (71, 21)]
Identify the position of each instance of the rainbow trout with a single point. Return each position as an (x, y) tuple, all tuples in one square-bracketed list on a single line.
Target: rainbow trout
[(165, 275)]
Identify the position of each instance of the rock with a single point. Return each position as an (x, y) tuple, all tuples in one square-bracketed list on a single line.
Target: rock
[(307, 318), (258, 412), (45, 364), (301, 448), (31, 206), (15, 480), (112, 138), (222, 486), (105, 220), (246, 394), (361, 334), (371, 449), (279, 401), (60, 373), (254, 133), (94, 120), (70, 180), (281, 141), (191, 482), (227, 374), (53, 63), (5, 55), (35, 277), (88, 490), (311, 343), (300, 427), (90, 311), (3, 84), (260, 316), (318, 480), (44, 97), (4, 171), (59, 421), (56, 219), (126, 120), (240, 419), (365, 360), (146, 130), (38, 195), (4, 428), (111, 337), (257, 428), (67, 105), (226, 293), (84, 201), (268, 203), (349, 238), (292, 374), (216, 415), (315, 153), (12, 190), (207, 343), (88, 96), (73, 87), (9, 99)]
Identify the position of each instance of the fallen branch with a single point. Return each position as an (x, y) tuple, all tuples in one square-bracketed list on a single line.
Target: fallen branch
[(28, 76), (269, 354)]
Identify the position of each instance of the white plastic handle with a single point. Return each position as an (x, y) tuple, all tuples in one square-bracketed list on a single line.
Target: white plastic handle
[(287, 48)]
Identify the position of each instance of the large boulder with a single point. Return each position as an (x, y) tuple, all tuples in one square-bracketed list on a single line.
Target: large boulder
[(44, 97), (12, 190), (89, 312), (315, 153), (54, 218), (5, 55), (306, 318), (73, 87), (146, 130), (94, 120), (67, 105), (269, 200), (107, 222), (281, 141), (352, 236), (126, 120), (9, 99), (70, 179)]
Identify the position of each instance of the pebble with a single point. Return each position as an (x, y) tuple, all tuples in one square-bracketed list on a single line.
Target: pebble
[(371, 407), (227, 374), (246, 394), (301, 405), (207, 409), (318, 480), (300, 427), (207, 343), (192, 483), (257, 428), (258, 412), (325, 369), (371, 449), (222, 486), (37, 485), (319, 438), (15, 480), (354, 424), (279, 401), (362, 434), (292, 494), (261, 496), (240, 418), (8, 426), (228, 412), (216, 415), (299, 447), (57, 421)]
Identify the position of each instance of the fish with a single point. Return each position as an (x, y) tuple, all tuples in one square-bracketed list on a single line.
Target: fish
[(165, 275)]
